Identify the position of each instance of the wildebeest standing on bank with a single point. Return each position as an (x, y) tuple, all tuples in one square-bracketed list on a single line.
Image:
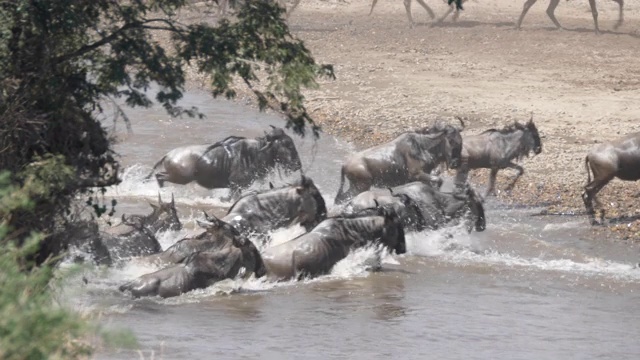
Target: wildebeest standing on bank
[(409, 157), (201, 269), (619, 158), (428, 207), (136, 235), (496, 150), (261, 212), (233, 163), (316, 252)]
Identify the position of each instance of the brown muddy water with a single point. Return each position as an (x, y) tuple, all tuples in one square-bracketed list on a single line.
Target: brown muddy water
[(529, 287)]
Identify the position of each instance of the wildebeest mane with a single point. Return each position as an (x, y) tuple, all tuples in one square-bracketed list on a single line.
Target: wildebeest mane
[(226, 141), (508, 129)]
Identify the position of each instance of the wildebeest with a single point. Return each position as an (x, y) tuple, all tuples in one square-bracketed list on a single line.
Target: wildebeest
[(407, 209), (619, 158), (298, 203), (497, 149), (316, 252), (428, 208), (552, 8), (135, 236), (201, 269), (233, 163), (409, 157), (217, 235)]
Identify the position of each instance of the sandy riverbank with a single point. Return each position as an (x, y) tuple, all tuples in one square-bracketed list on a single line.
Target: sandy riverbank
[(583, 89)]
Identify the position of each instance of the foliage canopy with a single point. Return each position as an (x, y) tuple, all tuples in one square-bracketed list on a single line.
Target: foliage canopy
[(60, 60)]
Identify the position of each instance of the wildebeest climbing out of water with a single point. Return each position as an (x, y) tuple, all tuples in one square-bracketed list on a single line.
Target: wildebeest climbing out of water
[(217, 234), (423, 207), (233, 163), (201, 268), (316, 252), (409, 157), (619, 158), (497, 149), (261, 212)]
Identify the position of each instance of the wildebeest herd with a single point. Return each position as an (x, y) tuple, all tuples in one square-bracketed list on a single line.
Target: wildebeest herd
[(405, 197)]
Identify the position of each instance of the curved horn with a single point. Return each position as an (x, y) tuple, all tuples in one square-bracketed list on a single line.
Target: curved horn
[(273, 127), (531, 119), (461, 122), (173, 201), (159, 198), (271, 185)]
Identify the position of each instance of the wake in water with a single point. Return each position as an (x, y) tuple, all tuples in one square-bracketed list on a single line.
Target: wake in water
[(455, 245)]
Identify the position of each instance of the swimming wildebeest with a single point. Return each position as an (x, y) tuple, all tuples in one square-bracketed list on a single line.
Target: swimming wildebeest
[(233, 163), (200, 269), (298, 203), (316, 252), (427, 208), (497, 149), (135, 236), (217, 235), (407, 7), (552, 8), (409, 157), (407, 209), (619, 158)]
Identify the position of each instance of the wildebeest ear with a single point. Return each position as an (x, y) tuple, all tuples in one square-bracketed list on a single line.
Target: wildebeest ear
[(299, 189), (273, 127), (123, 219), (154, 206), (159, 198), (271, 185), (173, 201)]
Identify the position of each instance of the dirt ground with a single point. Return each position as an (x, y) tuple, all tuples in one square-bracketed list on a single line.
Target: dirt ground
[(582, 88)]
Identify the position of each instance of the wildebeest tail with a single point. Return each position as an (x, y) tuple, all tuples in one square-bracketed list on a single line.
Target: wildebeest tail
[(340, 193), (586, 166), (154, 168)]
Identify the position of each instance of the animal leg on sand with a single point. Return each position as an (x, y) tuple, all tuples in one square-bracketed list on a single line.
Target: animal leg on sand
[(452, 7), (620, 14), (520, 170), (589, 195), (550, 12)]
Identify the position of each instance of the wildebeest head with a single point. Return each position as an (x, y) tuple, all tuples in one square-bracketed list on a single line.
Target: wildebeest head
[(393, 233), (164, 216), (533, 130), (473, 202), (281, 147), (221, 230), (312, 209)]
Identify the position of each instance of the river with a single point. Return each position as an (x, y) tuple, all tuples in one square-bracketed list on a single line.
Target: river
[(529, 287)]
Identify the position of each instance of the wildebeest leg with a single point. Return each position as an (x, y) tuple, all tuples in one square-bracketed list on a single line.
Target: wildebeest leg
[(461, 177), (589, 195), (491, 189), (520, 172), (620, 14), (426, 7), (407, 7), (449, 11), (553, 4), (527, 5)]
